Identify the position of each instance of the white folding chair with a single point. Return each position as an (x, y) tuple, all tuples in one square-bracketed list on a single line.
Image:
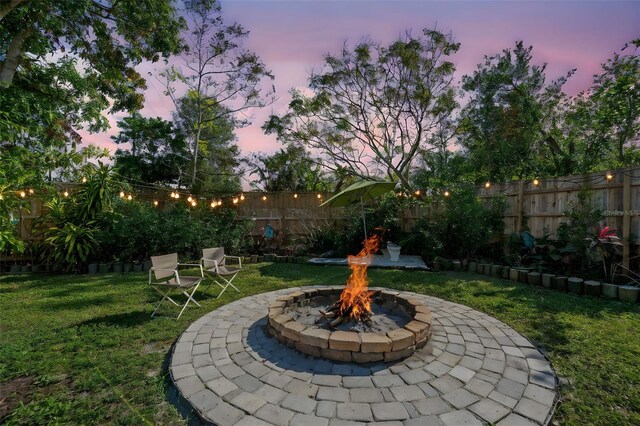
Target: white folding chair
[(167, 278), (215, 266)]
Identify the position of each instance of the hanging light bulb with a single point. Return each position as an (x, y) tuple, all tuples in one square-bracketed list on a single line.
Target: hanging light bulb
[(417, 193), (609, 176), (235, 200), (155, 203), (193, 203), (295, 195), (189, 198), (487, 185), (84, 179), (23, 194), (30, 191), (319, 196), (129, 197), (177, 195), (213, 204), (447, 193), (121, 194), (219, 202), (65, 193), (264, 198), (241, 197), (536, 182)]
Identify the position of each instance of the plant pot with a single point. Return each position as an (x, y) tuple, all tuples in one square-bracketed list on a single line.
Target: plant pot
[(506, 271), (15, 269), (609, 291), (523, 275), (147, 265), (457, 265), (546, 280), (534, 278), (394, 252), (137, 267), (385, 252), (436, 266), (628, 293), (260, 259), (254, 258), (496, 270), (103, 268), (514, 274), (127, 267), (92, 268), (592, 288), (465, 264), (576, 285), (559, 283), (25, 268), (473, 267), (117, 268), (36, 268)]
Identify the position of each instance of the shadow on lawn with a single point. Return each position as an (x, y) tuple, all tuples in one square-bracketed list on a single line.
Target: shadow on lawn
[(126, 319)]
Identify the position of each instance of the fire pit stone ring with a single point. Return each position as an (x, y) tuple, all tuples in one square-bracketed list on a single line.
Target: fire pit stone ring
[(350, 346)]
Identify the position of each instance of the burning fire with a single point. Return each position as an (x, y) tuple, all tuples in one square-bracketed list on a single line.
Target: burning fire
[(355, 300)]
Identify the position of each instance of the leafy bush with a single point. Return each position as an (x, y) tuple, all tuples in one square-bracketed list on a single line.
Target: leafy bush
[(423, 240), (71, 245)]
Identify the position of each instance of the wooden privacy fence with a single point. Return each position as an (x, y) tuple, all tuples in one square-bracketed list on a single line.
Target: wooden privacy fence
[(541, 203)]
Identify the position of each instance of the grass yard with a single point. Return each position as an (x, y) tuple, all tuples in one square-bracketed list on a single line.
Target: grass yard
[(84, 350)]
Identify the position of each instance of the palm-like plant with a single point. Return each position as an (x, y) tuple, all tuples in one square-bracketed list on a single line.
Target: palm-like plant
[(71, 245)]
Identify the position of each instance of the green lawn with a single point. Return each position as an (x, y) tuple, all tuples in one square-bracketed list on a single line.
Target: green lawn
[(95, 355)]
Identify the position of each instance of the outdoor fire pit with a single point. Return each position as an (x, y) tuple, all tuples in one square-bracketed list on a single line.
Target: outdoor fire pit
[(354, 324)]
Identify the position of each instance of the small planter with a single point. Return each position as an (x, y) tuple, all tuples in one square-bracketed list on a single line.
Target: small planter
[(576, 285), (457, 265), (628, 293), (465, 264), (147, 265), (435, 266), (260, 259), (254, 258), (546, 280), (473, 267), (281, 258), (25, 268), (15, 269), (496, 270), (534, 278), (609, 291), (514, 274), (487, 269), (559, 283), (127, 267), (93, 268), (36, 268), (522, 275), (592, 288), (505, 272), (137, 267), (103, 268), (117, 268)]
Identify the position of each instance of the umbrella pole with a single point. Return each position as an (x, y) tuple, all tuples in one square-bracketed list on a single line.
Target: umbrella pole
[(364, 220)]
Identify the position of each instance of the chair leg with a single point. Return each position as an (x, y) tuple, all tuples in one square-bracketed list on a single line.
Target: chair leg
[(189, 299), (165, 296)]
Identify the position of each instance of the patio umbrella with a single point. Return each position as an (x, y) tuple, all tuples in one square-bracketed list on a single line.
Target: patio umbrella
[(360, 192)]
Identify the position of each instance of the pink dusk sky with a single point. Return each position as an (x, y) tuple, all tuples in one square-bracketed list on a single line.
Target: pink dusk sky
[(292, 37)]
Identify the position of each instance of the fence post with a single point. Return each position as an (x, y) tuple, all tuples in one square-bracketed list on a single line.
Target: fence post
[(626, 218), (520, 205)]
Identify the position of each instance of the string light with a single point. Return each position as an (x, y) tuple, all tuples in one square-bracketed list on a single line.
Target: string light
[(295, 195), (193, 203), (121, 194), (609, 176), (65, 193), (30, 191), (189, 199), (155, 203), (213, 204), (235, 200), (23, 194), (84, 179), (417, 193), (129, 197), (241, 197), (319, 196), (447, 193), (487, 185), (536, 182), (264, 198), (177, 195)]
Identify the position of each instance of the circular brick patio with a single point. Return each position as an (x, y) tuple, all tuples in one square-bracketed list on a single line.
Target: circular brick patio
[(474, 370)]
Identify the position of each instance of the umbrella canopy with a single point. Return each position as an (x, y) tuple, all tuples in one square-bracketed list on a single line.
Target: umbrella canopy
[(359, 192)]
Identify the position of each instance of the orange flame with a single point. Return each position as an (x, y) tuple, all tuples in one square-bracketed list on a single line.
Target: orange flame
[(355, 299)]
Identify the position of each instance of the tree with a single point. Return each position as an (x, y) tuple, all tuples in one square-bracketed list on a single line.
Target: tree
[(217, 72), (216, 166), (503, 126), (158, 152), (289, 169), (374, 108)]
